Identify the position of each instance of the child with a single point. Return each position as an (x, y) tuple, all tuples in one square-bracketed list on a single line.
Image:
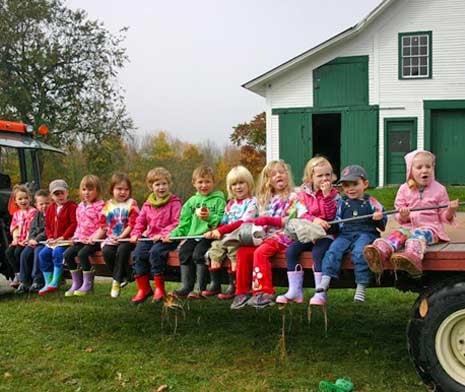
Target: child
[(240, 207), (420, 228), (353, 236), (158, 216), (320, 200), (88, 217), (117, 220), (19, 229), (201, 213), (60, 223), (276, 202), (29, 260)]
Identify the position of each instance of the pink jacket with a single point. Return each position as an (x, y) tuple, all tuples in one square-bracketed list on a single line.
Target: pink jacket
[(21, 221), (157, 220), (432, 195), (316, 204), (88, 219)]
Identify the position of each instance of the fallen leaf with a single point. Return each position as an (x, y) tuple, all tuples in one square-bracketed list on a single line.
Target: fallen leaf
[(162, 388), (89, 350)]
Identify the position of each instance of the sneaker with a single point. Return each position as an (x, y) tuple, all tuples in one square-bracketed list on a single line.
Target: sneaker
[(35, 287), (261, 300), (240, 301), (115, 289), (123, 284), (22, 289)]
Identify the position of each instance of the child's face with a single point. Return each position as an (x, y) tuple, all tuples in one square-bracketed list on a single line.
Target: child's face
[(355, 189), (161, 188), (121, 192), (240, 190), (88, 195), (279, 178), (42, 202), (321, 174), (422, 169), (203, 185), (22, 200), (60, 197)]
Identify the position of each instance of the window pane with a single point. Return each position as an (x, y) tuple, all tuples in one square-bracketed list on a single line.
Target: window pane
[(423, 61), (423, 50), (406, 52), (406, 71), (414, 71), (415, 61), (423, 40), (424, 71), (414, 40), (406, 41), (406, 61), (414, 50)]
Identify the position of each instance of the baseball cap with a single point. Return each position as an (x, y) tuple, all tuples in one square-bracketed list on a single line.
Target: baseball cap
[(353, 173), (58, 185)]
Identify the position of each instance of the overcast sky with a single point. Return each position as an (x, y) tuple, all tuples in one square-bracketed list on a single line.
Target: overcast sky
[(188, 59)]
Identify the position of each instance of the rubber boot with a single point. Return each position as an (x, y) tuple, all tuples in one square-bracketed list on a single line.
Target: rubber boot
[(214, 287), (377, 254), (318, 299), (115, 289), (143, 289), (187, 280), (159, 281), (411, 258), (201, 285), (87, 284), (295, 292), (76, 276), (231, 289), (55, 282), (47, 278)]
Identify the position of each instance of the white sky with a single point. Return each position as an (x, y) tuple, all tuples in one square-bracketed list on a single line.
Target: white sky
[(188, 59)]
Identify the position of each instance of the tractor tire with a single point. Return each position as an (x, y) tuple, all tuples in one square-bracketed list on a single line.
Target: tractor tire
[(436, 336)]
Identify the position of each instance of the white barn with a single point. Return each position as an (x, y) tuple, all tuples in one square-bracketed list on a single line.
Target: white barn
[(391, 83)]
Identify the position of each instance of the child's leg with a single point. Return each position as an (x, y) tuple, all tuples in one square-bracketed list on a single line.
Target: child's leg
[(262, 272), (69, 255), (52, 284), (26, 261), (84, 255), (362, 272), (123, 256), (158, 257), (37, 277), (109, 256), (216, 254), (318, 253), (141, 268), (201, 266), (187, 268), (231, 253), (294, 251), (244, 266)]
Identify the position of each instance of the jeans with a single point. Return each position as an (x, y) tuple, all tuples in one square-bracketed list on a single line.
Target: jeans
[(49, 257), (151, 257), (345, 242), (318, 249), (29, 269)]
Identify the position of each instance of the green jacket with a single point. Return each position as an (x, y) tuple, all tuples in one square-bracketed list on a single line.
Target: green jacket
[(190, 223)]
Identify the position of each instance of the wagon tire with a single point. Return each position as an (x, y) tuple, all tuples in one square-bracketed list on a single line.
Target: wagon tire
[(436, 336)]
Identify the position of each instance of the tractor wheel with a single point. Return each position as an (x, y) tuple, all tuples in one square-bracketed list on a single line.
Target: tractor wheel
[(436, 336)]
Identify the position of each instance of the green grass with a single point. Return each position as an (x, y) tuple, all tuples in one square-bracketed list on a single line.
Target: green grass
[(387, 195), (101, 344)]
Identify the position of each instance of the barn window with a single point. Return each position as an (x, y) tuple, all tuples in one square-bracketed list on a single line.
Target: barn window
[(415, 56)]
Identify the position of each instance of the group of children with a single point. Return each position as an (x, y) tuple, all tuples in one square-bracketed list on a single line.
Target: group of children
[(51, 236)]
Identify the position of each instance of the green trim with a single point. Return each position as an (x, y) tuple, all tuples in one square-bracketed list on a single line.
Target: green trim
[(319, 110), (399, 54), (429, 105), (348, 60), (414, 137)]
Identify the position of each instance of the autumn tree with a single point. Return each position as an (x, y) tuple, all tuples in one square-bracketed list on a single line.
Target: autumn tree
[(58, 67), (251, 138)]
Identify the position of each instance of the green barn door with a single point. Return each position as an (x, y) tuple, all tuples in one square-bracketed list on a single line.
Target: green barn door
[(295, 145), (359, 141), (400, 138), (447, 143)]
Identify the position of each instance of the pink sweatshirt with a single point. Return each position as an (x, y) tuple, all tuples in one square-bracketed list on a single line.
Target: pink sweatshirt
[(21, 221), (157, 220), (317, 205), (88, 219), (432, 195)]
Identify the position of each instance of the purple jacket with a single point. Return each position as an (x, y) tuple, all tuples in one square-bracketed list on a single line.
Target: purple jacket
[(157, 220)]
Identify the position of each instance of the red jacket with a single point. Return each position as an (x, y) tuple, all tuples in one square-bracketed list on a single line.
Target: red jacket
[(62, 225)]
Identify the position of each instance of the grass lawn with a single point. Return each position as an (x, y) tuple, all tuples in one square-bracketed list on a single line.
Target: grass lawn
[(101, 344)]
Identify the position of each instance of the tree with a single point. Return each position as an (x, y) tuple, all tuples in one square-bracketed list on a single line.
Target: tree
[(59, 68), (251, 138)]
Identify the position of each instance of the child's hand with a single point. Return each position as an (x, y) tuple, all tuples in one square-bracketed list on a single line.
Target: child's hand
[(133, 239), (203, 213), (212, 235), (325, 188), (378, 215), (404, 213), (166, 240), (32, 243), (156, 237), (454, 205), (325, 225), (14, 242)]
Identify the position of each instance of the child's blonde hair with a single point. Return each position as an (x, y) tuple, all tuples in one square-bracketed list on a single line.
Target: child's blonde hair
[(156, 174), (203, 171), (318, 160), (264, 189), (117, 178), (411, 182), (236, 174), (21, 188), (91, 181)]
